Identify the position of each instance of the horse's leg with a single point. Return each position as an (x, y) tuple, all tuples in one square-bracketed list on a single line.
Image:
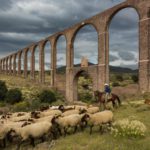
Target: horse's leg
[(113, 103), (91, 129), (75, 129), (119, 101)]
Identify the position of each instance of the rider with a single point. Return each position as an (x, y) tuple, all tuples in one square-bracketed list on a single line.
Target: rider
[(107, 91)]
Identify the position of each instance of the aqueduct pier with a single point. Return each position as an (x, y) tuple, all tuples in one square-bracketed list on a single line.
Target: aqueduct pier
[(100, 74)]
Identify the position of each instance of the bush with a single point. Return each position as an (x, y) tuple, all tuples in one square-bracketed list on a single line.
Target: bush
[(85, 96), (134, 78), (14, 96), (115, 84), (125, 127), (119, 78), (47, 96), (21, 106), (3, 90)]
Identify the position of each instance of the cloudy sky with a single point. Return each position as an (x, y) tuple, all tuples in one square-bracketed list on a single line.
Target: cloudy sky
[(23, 22)]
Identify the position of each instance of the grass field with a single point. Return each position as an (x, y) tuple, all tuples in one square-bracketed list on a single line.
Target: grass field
[(131, 108)]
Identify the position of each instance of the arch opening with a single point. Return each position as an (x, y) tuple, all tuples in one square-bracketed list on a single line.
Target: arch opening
[(37, 66), (47, 62), (61, 63), (28, 63), (86, 45), (83, 87), (124, 49)]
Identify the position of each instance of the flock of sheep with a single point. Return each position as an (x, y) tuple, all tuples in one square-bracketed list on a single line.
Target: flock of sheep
[(50, 122)]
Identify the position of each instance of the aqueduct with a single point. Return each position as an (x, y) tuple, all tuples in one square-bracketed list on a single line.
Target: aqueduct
[(100, 74)]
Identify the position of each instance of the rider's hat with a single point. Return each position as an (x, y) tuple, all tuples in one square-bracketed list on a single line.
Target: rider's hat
[(106, 84)]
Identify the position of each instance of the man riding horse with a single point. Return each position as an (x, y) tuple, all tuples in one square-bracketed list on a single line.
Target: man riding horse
[(107, 91)]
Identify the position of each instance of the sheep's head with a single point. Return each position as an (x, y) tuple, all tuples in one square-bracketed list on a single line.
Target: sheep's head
[(13, 135), (82, 110), (35, 114), (84, 120), (61, 108)]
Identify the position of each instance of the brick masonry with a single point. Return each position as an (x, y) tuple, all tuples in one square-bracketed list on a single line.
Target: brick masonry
[(100, 72)]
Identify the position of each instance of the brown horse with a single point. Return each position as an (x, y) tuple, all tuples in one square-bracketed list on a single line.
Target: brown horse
[(100, 97)]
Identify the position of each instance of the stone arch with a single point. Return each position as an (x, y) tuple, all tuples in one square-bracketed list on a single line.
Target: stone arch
[(91, 27), (28, 55), (82, 26), (36, 64), (93, 74), (60, 56), (109, 17), (118, 9), (47, 48), (10, 64), (14, 63)]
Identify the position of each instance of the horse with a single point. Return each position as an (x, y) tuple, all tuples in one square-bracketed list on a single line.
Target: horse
[(100, 97)]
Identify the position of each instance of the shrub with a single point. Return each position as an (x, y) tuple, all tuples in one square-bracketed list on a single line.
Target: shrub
[(21, 106), (35, 104), (134, 78), (85, 96), (47, 96), (14, 96), (125, 127), (119, 78), (146, 95), (3, 90), (115, 84)]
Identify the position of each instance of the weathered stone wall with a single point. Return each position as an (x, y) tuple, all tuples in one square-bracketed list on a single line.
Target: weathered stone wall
[(101, 23)]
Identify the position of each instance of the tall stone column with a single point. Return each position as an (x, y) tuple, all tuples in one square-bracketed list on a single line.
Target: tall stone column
[(19, 63), (41, 63), (25, 63), (14, 64), (53, 62), (69, 70), (144, 62), (32, 61), (103, 62)]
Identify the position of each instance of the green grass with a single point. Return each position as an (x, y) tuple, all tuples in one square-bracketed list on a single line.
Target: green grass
[(132, 108)]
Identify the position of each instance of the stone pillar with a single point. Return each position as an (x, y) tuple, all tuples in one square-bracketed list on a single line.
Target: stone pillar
[(10, 65), (32, 62), (144, 62), (53, 62), (25, 63), (19, 63), (69, 71), (14, 64), (103, 62), (41, 63)]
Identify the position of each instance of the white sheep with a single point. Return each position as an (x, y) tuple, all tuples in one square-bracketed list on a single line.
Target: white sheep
[(5, 129), (92, 110), (70, 112), (100, 118), (50, 113), (26, 116), (69, 121), (33, 131)]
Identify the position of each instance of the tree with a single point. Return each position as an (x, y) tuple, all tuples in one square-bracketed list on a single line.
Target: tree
[(3, 90)]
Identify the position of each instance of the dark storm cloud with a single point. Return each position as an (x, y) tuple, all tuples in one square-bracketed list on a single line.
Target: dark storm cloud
[(126, 55), (112, 58), (5, 5), (24, 22)]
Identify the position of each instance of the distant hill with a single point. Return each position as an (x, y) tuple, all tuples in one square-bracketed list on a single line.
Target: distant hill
[(113, 69)]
